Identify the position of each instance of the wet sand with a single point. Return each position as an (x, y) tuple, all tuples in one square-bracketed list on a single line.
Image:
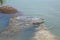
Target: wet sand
[(43, 33)]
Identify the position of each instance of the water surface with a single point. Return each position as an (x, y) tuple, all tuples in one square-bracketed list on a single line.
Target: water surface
[(46, 9)]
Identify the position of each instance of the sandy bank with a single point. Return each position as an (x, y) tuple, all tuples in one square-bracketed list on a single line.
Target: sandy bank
[(43, 33)]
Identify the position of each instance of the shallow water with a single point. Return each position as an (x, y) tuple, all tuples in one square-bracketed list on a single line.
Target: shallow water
[(46, 9)]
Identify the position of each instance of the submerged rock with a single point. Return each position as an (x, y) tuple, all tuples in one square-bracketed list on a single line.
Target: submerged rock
[(20, 24)]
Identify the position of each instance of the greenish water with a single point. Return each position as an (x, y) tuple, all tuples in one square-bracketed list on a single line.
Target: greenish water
[(46, 9)]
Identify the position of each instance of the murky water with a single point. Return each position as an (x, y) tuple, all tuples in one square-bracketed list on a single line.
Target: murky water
[(47, 9)]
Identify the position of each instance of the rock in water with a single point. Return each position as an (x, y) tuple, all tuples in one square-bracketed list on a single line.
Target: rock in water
[(25, 22), (8, 10), (21, 23), (6, 13)]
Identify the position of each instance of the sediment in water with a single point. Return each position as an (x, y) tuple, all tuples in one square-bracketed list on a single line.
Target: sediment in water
[(43, 33), (17, 25)]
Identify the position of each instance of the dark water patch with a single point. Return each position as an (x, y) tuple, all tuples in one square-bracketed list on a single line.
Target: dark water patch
[(27, 34)]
